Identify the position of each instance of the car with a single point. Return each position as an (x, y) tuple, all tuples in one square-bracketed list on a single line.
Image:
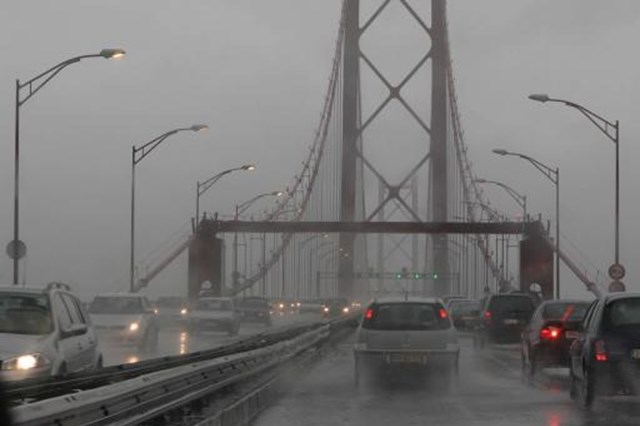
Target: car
[(546, 340), (605, 357), (464, 313), (172, 311), (312, 306), (215, 314), (45, 332), (255, 309), (334, 308), (503, 317), (126, 319), (405, 334)]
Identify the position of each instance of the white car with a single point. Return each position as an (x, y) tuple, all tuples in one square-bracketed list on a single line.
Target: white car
[(45, 332), (406, 334), (125, 318), (216, 314)]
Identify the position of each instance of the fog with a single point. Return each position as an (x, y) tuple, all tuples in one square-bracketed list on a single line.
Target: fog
[(256, 73)]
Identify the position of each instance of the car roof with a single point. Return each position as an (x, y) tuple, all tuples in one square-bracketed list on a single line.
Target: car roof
[(617, 296), (18, 289), (403, 299), (215, 298), (564, 301)]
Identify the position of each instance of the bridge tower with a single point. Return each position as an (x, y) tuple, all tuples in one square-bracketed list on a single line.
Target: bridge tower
[(432, 186)]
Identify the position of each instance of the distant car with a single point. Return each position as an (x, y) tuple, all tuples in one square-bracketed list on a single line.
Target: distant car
[(605, 357), (255, 309), (334, 308), (127, 319), (172, 311), (546, 340), (215, 314), (406, 334), (503, 317), (464, 313), (45, 332), (313, 306)]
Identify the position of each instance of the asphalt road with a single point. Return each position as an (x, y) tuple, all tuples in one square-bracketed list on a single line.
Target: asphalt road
[(174, 341), (489, 391)]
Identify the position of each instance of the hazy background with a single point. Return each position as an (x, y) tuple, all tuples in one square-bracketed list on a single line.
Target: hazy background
[(256, 72)]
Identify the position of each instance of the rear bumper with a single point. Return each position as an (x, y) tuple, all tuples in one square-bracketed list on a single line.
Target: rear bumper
[(615, 377), (402, 358), (556, 355)]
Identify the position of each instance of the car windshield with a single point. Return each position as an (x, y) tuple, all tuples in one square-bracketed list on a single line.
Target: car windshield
[(25, 313), (253, 303), (170, 302), (622, 313), (116, 305), (406, 316), (464, 308), (501, 304), (564, 311), (212, 305)]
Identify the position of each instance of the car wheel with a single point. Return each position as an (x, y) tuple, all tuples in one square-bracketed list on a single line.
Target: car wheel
[(100, 363), (573, 386), (62, 371), (533, 364), (587, 391)]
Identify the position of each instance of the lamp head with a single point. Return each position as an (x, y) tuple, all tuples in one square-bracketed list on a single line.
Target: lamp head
[(112, 53), (480, 180), (277, 193), (539, 98), (198, 127), (248, 167), (500, 151)]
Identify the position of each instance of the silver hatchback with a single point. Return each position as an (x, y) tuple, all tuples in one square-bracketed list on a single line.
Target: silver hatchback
[(406, 334)]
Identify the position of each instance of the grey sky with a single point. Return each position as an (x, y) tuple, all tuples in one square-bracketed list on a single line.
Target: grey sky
[(256, 72)]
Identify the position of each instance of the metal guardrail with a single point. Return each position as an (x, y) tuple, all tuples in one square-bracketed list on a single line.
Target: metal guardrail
[(38, 389), (148, 396)]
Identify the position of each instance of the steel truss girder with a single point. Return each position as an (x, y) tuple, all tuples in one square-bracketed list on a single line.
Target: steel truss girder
[(483, 228)]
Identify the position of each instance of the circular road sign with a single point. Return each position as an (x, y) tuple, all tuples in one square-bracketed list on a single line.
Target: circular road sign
[(616, 271), (616, 287), (16, 249)]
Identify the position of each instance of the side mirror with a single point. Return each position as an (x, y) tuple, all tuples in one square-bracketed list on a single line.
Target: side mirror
[(76, 330)]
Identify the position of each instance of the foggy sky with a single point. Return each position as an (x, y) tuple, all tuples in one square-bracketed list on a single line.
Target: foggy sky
[(256, 72)]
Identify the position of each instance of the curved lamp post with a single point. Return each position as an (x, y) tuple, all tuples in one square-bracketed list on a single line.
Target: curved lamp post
[(202, 187), (31, 87), (521, 200), (137, 155), (612, 131), (554, 177)]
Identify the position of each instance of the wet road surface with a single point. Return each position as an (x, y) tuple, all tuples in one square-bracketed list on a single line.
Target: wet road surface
[(176, 341), (489, 391)]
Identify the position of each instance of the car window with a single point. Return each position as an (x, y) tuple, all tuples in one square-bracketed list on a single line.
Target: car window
[(464, 308), (622, 313), (170, 302), (72, 309), (111, 305), (212, 305), (22, 313), (62, 313), (501, 304), (406, 316), (253, 303), (564, 311), (586, 322)]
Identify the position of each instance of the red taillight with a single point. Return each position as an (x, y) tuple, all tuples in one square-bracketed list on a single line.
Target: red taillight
[(550, 333), (600, 351), (369, 314), (487, 316), (443, 314)]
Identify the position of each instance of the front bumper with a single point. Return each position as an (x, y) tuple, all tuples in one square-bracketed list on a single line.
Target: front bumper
[(210, 324)]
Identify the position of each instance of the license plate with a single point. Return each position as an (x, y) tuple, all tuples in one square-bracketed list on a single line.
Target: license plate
[(408, 358), (635, 354), (511, 322), (571, 334)]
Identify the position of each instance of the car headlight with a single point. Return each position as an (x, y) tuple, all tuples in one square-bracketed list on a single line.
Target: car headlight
[(281, 306), (345, 310), (134, 326), (25, 362), (325, 309), (184, 311)]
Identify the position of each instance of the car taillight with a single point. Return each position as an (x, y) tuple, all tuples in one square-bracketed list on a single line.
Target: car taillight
[(369, 314), (550, 333), (443, 314), (600, 351), (487, 316)]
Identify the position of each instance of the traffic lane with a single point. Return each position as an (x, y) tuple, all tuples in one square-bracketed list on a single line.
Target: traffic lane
[(490, 391), (177, 341)]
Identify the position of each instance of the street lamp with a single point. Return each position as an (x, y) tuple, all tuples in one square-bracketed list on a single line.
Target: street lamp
[(240, 209), (612, 131), (521, 200), (137, 155), (32, 86), (554, 176), (202, 187)]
